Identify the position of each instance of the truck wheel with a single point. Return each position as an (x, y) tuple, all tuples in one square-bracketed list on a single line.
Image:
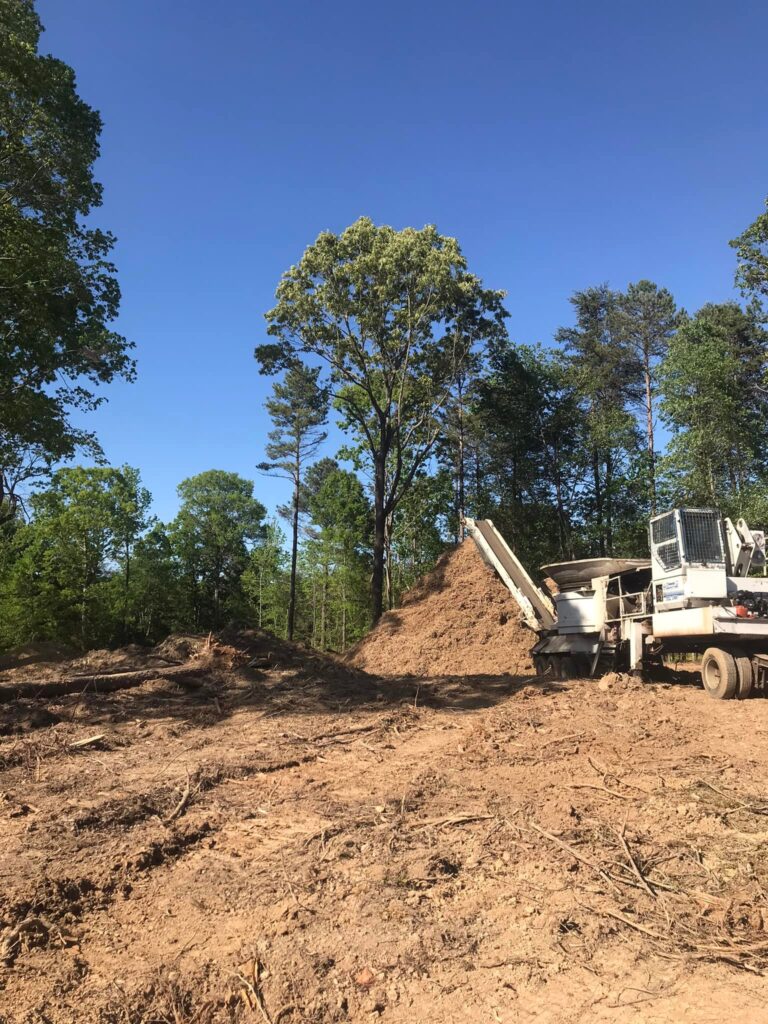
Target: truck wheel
[(745, 673), (539, 664), (719, 674)]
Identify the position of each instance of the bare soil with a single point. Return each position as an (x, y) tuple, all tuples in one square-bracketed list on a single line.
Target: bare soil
[(302, 841)]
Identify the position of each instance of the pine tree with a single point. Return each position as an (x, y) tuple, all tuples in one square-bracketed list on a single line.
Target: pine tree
[(299, 410)]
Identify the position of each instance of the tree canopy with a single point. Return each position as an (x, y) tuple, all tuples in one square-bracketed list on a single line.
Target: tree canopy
[(393, 315)]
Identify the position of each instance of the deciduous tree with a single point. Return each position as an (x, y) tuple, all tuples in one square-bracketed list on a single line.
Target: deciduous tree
[(393, 315)]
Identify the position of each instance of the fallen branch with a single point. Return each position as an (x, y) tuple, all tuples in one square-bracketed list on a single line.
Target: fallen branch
[(87, 742), (634, 865), (575, 853), (180, 805), (454, 819), (106, 682)]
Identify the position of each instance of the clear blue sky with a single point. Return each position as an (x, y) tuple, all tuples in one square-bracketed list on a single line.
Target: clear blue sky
[(564, 143)]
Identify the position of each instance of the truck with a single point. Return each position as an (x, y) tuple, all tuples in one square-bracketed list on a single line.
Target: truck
[(702, 592)]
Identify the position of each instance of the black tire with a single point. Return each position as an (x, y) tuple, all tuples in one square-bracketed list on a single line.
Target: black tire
[(745, 673), (719, 674), (553, 664), (539, 664)]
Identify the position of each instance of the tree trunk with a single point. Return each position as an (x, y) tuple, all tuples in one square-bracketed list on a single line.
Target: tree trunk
[(460, 471), (389, 587), (379, 539), (598, 500), (294, 556), (649, 429)]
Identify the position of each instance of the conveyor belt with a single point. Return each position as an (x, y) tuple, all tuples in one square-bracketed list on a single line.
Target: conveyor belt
[(536, 607)]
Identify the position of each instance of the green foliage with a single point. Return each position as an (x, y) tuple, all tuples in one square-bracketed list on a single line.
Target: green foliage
[(266, 581), (299, 409), (752, 255), (218, 522), (713, 400), (58, 292), (393, 315), (601, 370), (65, 562)]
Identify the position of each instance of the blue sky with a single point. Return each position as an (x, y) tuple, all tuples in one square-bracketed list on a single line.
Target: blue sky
[(563, 143)]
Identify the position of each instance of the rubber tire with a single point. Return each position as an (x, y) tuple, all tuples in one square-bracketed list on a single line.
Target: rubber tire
[(539, 664), (719, 674), (553, 664), (746, 675)]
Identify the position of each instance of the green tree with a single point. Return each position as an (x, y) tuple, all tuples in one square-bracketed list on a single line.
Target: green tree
[(218, 522), (603, 374), (70, 561), (713, 401), (752, 258), (338, 546), (394, 316), (299, 409), (156, 598), (266, 581), (645, 319), (58, 291)]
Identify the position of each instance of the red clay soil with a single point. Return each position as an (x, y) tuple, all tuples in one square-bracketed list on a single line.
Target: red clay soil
[(459, 619)]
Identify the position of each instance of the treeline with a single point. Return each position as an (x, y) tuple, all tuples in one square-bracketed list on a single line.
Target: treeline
[(635, 405)]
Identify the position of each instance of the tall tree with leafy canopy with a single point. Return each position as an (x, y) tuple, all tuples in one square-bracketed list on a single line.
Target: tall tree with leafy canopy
[(217, 524), (713, 399), (645, 319), (752, 258), (58, 291), (393, 315), (299, 410)]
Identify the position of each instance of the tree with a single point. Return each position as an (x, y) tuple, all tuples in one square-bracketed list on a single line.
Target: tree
[(752, 258), (393, 315), (338, 543), (603, 375), (219, 520), (714, 402), (299, 410), (58, 291), (71, 560), (265, 580), (645, 319)]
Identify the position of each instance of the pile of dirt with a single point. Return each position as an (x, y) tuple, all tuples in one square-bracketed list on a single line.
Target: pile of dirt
[(459, 619)]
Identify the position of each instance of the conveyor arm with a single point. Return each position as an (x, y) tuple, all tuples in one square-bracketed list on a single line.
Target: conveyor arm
[(536, 607)]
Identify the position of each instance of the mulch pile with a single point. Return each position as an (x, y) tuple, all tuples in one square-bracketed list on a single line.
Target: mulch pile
[(459, 619)]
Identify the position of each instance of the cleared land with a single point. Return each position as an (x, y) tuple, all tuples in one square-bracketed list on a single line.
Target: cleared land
[(278, 836)]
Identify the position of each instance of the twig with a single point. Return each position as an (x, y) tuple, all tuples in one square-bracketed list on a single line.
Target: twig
[(634, 865), (603, 789), (454, 819), (177, 810), (253, 988), (77, 744), (631, 924), (575, 853)]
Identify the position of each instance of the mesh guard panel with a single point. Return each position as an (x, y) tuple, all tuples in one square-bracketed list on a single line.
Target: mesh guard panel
[(702, 536)]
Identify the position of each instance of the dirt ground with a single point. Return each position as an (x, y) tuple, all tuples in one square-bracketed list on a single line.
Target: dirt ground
[(298, 841)]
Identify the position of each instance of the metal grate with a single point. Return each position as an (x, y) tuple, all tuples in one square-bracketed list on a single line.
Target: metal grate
[(702, 536), (669, 554), (663, 528)]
